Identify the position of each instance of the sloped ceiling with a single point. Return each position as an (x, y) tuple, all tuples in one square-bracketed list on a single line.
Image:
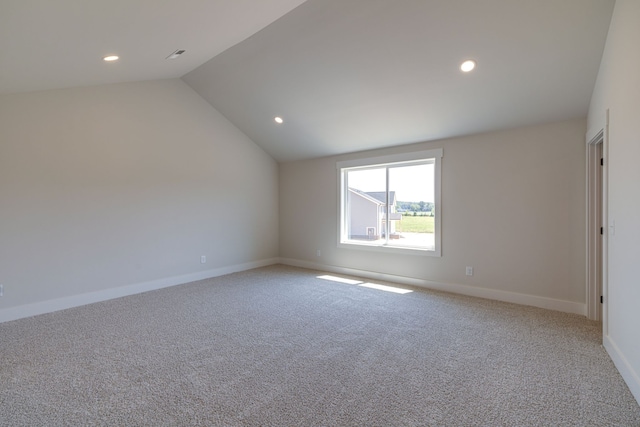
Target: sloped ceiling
[(350, 75), (346, 75), (53, 44)]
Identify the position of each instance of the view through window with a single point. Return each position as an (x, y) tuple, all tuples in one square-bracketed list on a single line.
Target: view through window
[(391, 201)]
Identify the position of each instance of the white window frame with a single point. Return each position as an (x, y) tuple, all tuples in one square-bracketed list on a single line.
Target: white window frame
[(395, 160)]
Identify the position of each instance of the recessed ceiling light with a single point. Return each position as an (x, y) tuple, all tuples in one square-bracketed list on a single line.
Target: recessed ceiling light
[(278, 120), (468, 65), (111, 58)]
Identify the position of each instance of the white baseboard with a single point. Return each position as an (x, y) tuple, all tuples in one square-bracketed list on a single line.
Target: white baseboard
[(513, 297), (629, 375), (28, 310), (42, 307)]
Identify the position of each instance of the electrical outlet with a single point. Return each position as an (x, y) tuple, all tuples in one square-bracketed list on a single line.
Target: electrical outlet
[(1, 290), (318, 252), (203, 259), (469, 271)]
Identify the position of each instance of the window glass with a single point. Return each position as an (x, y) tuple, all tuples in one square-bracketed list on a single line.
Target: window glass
[(391, 205)]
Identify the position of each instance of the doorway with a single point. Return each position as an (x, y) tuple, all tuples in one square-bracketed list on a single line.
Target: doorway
[(596, 228)]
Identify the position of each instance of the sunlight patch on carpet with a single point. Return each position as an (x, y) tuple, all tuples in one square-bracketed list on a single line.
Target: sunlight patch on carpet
[(385, 288), (376, 286), (339, 279)]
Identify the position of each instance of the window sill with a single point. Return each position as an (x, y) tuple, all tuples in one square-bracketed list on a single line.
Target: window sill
[(404, 250)]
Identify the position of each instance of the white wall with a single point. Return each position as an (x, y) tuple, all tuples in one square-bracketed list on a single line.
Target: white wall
[(122, 185), (513, 208), (618, 89)]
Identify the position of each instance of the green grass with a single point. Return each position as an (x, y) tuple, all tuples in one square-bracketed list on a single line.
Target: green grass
[(415, 224)]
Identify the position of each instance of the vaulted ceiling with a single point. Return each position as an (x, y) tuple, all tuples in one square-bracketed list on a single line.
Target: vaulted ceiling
[(52, 44), (345, 75)]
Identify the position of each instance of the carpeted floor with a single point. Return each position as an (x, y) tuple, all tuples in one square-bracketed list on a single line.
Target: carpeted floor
[(278, 346)]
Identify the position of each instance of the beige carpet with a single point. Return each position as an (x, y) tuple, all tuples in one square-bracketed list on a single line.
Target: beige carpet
[(278, 346)]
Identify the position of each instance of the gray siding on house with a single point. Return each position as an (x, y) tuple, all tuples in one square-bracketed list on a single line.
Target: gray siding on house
[(363, 213)]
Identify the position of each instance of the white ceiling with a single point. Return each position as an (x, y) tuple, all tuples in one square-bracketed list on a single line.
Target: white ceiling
[(51, 44), (346, 75), (350, 75)]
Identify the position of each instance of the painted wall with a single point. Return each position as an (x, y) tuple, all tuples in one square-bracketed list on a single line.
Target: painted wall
[(513, 206), (112, 186), (618, 89)]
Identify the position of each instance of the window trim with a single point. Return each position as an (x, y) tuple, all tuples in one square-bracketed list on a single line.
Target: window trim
[(386, 161)]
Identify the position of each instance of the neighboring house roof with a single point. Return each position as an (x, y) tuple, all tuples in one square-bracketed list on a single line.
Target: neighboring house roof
[(382, 196), (378, 197), (366, 196)]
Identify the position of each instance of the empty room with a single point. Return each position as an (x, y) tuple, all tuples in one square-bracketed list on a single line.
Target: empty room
[(319, 213)]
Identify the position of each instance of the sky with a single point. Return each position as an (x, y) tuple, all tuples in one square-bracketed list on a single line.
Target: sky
[(411, 183)]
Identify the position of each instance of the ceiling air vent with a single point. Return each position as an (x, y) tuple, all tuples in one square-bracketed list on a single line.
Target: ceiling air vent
[(176, 54)]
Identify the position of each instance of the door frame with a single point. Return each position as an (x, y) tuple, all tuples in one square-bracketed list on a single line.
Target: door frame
[(597, 203)]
